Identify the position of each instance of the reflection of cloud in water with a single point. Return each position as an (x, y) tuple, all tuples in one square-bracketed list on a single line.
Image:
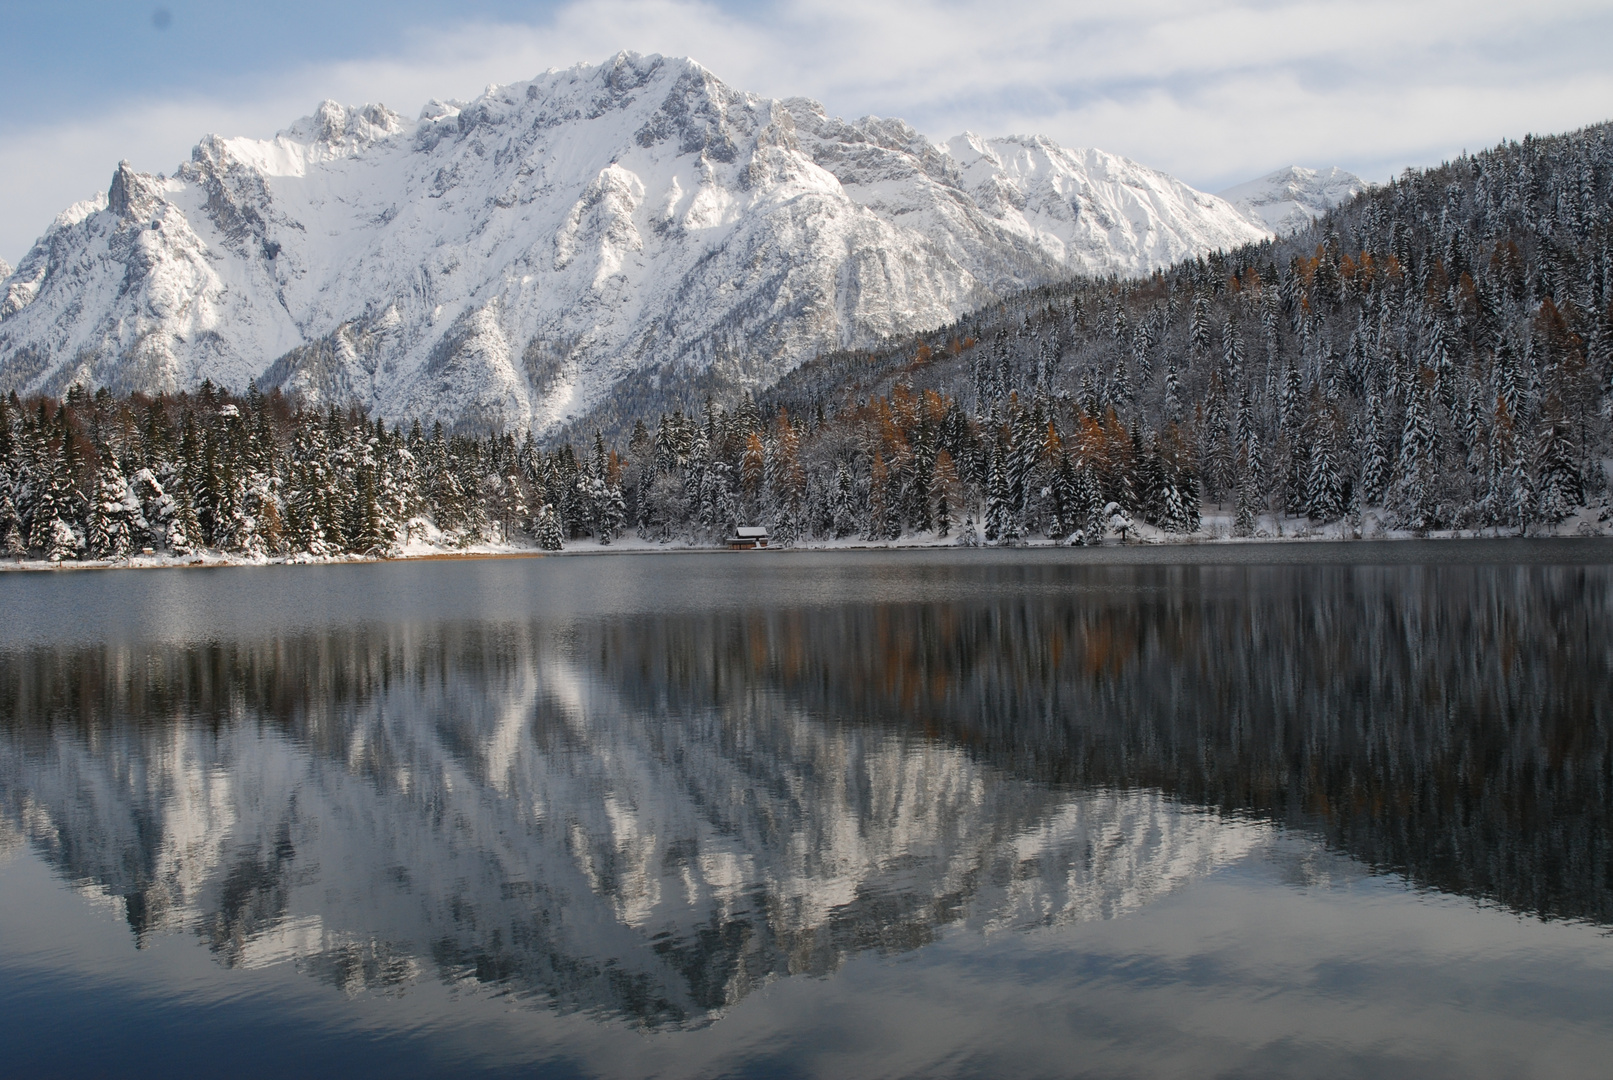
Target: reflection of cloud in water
[(533, 831)]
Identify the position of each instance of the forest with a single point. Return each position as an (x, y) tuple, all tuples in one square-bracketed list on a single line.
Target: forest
[(1436, 354)]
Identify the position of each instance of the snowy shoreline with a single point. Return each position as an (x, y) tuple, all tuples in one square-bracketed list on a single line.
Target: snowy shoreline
[(1216, 532)]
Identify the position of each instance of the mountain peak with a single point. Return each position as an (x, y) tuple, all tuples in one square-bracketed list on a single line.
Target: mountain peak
[(595, 234), (1289, 199), (132, 194), (334, 125)]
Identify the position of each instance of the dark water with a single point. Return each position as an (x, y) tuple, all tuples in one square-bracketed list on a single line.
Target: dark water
[(1305, 810)]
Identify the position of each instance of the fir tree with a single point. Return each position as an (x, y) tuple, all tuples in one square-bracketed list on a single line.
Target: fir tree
[(1560, 486), (546, 529), (1324, 487), (109, 519), (1413, 494)]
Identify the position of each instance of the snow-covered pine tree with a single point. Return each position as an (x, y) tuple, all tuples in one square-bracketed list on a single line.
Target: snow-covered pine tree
[(546, 529), (1172, 412), (1089, 504), (1216, 441), (946, 487), (1561, 487), (1199, 326), (1375, 460), (511, 505), (64, 543), (999, 504), (968, 536), (1324, 485), (1412, 494), (109, 526), (613, 512), (11, 541), (52, 511)]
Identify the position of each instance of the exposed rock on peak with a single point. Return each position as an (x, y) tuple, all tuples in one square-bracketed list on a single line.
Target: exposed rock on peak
[(336, 125), (597, 232), (132, 194), (1288, 200)]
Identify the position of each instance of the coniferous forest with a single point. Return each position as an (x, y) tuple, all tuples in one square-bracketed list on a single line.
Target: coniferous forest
[(1435, 355)]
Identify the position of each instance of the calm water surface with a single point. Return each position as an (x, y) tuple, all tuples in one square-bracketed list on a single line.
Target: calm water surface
[(1303, 810)]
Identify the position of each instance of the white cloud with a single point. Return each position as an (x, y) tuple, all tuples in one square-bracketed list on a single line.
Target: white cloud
[(1215, 91)]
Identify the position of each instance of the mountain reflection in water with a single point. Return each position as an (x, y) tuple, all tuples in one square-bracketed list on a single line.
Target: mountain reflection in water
[(652, 816)]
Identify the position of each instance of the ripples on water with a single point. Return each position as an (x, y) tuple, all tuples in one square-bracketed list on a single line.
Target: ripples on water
[(817, 814)]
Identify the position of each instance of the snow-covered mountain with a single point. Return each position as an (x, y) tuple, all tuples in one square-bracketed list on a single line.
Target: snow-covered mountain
[(516, 258), (1288, 200)]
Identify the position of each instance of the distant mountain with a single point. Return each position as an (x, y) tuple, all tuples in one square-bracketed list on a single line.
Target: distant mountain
[(1288, 200), (515, 258), (5, 269)]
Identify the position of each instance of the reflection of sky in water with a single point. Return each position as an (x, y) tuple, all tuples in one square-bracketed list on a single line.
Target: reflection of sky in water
[(1042, 810)]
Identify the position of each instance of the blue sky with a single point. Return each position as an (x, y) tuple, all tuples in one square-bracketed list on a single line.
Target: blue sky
[(1215, 91)]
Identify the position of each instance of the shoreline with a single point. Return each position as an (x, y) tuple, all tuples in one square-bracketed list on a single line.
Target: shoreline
[(634, 546)]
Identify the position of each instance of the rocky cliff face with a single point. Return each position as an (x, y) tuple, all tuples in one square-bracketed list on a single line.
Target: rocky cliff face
[(519, 258)]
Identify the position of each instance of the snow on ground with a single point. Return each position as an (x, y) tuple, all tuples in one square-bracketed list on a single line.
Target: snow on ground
[(1216, 529)]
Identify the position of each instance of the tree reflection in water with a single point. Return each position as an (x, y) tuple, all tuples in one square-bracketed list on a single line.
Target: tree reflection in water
[(653, 816)]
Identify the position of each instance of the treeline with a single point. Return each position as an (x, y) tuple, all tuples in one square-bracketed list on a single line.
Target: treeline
[(1439, 350), (103, 477), (1437, 354)]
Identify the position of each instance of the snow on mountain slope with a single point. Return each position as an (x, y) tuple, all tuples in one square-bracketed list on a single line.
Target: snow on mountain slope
[(5, 270), (1288, 200), (517, 258)]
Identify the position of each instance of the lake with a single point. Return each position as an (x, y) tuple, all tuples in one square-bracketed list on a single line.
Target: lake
[(1303, 809)]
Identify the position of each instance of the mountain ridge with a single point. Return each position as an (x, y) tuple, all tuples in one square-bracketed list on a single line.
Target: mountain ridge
[(516, 259)]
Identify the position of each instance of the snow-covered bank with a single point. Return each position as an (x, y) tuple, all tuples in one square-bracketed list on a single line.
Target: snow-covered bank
[(1216, 530)]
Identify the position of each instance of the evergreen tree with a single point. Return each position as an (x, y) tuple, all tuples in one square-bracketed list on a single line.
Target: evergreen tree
[(1324, 487), (11, 539), (999, 505), (546, 529), (1560, 487), (110, 521), (1375, 461), (1413, 493)]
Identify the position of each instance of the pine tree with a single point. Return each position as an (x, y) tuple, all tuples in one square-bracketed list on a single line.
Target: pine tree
[(999, 505), (1510, 500), (52, 513), (11, 541), (63, 543), (1173, 515), (612, 512), (1413, 495), (1216, 441), (969, 537), (842, 506), (511, 508), (109, 524), (1324, 487), (1173, 393), (1089, 505), (1561, 488), (946, 485), (546, 529)]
